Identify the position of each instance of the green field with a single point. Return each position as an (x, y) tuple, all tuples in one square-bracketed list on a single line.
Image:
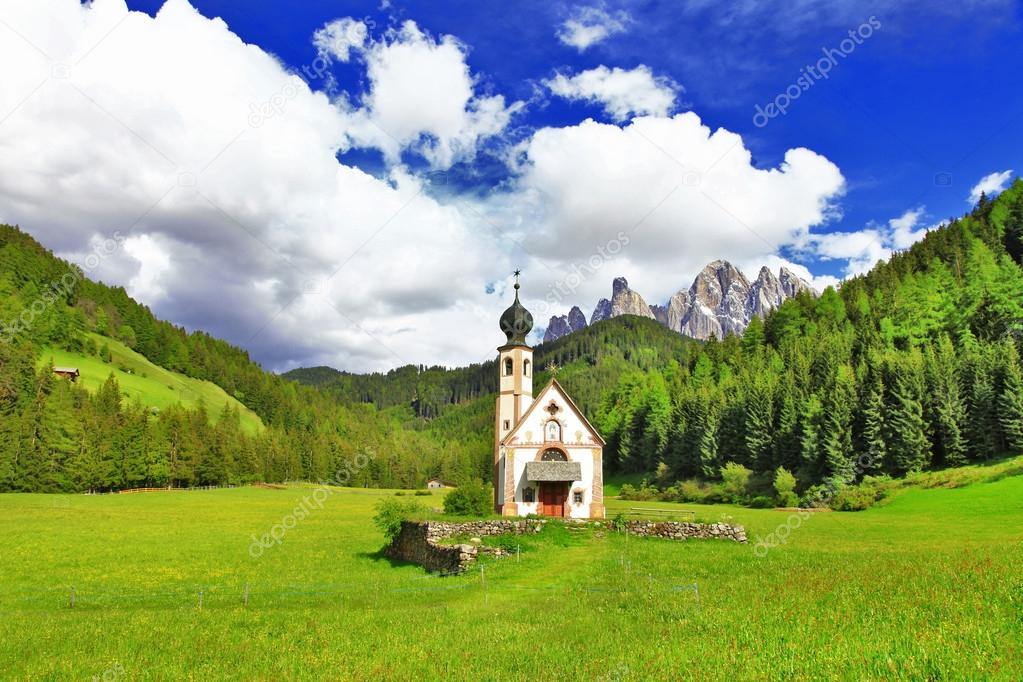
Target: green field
[(147, 383), (927, 586)]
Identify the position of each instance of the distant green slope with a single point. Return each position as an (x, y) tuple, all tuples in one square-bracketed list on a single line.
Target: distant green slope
[(147, 383)]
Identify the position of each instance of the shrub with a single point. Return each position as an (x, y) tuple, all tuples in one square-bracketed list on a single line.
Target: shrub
[(817, 496), (400, 493), (662, 476), (761, 502), (735, 481), (669, 494), (788, 500), (784, 483), (618, 522), (865, 495), (423, 493), (471, 499), (644, 493), (390, 513)]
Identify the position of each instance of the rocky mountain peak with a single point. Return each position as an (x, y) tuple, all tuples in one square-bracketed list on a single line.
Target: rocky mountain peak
[(720, 301), (601, 312), (793, 285), (625, 301)]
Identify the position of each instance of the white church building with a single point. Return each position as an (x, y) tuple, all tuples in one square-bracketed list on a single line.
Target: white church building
[(548, 458)]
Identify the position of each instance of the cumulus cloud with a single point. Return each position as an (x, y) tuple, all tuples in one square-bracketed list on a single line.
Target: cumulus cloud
[(590, 25), (339, 38), (993, 183), (421, 96), (218, 166), (682, 194), (246, 227), (622, 92), (862, 249)]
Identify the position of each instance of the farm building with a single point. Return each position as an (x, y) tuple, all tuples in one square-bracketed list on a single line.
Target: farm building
[(435, 483), (70, 373)]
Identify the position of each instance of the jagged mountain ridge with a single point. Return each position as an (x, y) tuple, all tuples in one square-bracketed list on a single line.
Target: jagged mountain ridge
[(720, 301)]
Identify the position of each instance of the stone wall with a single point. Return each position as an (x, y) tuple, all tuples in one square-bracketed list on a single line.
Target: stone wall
[(680, 530), (420, 541)]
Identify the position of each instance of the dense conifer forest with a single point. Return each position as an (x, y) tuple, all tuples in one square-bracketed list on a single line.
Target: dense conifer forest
[(914, 365)]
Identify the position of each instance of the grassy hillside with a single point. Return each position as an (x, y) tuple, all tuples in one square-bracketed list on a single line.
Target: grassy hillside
[(140, 380), (926, 586)]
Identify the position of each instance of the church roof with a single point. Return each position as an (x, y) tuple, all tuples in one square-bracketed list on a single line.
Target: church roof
[(516, 321), (553, 383)]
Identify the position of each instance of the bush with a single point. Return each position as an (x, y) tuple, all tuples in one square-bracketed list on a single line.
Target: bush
[(390, 514), (785, 486), (471, 499), (788, 500), (644, 493), (400, 493), (423, 493), (618, 522), (857, 498), (735, 481), (761, 502)]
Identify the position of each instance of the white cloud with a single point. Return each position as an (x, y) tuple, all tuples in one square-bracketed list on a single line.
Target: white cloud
[(339, 38), (421, 94), (250, 230), (220, 169), (590, 25), (862, 249), (682, 194), (992, 183), (622, 92)]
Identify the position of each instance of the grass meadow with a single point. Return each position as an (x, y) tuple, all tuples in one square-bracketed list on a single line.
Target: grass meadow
[(140, 380), (928, 586)]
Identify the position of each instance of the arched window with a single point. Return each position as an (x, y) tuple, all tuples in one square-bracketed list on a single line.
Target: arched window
[(526, 367), (552, 431), (507, 367), (553, 455)]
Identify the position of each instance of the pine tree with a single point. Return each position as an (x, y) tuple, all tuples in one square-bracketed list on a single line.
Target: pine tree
[(811, 429), (907, 437), (1010, 401), (947, 408), (758, 426), (873, 444), (981, 424), (836, 441)]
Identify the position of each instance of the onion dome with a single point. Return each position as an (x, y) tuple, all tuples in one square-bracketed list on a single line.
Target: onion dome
[(516, 321)]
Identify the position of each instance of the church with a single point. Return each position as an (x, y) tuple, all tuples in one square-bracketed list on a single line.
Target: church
[(548, 458)]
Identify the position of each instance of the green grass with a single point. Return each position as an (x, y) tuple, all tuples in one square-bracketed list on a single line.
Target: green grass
[(613, 483), (927, 586), (147, 383)]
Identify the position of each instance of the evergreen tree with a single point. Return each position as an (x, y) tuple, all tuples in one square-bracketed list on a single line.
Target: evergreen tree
[(907, 437), (1010, 400)]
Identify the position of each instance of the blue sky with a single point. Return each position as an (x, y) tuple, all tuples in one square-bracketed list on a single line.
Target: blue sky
[(352, 183), (915, 116)]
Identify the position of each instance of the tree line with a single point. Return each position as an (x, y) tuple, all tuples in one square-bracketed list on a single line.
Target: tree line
[(912, 366)]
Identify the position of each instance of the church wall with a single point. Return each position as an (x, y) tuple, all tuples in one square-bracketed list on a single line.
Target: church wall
[(576, 440)]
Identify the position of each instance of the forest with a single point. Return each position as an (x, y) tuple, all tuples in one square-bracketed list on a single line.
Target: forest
[(914, 365)]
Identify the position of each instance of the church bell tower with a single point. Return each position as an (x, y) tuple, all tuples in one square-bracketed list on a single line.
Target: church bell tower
[(515, 393)]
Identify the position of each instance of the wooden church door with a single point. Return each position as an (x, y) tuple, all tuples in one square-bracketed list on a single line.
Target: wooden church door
[(553, 496)]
